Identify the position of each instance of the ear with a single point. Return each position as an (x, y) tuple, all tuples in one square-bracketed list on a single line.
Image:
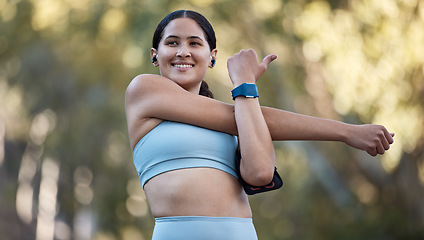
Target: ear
[(153, 56), (213, 57)]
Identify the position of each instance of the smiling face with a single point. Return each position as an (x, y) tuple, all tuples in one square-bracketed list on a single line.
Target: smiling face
[(183, 54)]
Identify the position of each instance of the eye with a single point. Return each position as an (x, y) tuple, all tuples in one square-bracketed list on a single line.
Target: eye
[(171, 43), (195, 43)]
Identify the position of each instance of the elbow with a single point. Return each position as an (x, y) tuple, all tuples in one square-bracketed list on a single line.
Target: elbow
[(258, 170), (260, 177), (263, 179)]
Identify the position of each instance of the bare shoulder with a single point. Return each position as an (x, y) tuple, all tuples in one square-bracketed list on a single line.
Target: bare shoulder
[(138, 120), (144, 82), (144, 79), (143, 90), (151, 96)]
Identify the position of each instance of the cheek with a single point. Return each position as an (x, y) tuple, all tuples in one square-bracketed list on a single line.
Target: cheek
[(163, 56), (206, 59), (165, 53)]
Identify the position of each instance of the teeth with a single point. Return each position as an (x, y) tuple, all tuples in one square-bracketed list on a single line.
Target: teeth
[(183, 66)]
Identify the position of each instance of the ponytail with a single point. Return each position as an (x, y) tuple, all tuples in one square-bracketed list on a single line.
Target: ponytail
[(204, 90)]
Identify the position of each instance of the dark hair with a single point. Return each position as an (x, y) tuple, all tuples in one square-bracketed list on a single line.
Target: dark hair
[(203, 23)]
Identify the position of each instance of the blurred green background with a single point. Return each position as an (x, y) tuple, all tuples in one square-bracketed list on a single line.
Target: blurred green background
[(66, 168)]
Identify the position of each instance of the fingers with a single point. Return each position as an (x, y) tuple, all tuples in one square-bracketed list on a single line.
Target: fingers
[(389, 136), (248, 63), (376, 148), (263, 66), (382, 142), (385, 142), (372, 152), (381, 148), (268, 59), (250, 52)]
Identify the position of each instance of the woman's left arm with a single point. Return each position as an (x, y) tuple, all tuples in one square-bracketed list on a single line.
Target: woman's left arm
[(256, 147)]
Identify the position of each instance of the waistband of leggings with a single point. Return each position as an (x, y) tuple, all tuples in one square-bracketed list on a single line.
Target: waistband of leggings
[(201, 218)]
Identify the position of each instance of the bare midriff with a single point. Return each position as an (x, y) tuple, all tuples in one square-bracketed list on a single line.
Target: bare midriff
[(197, 192)]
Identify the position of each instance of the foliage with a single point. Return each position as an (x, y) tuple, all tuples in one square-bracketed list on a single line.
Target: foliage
[(65, 163)]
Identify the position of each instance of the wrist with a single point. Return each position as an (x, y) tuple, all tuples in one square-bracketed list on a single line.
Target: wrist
[(345, 132), (237, 81), (248, 90), (236, 84)]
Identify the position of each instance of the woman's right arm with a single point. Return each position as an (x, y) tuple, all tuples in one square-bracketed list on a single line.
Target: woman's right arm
[(154, 96), (284, 125)]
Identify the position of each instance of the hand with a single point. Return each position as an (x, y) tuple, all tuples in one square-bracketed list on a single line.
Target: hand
[(243, 67), (374, 139)]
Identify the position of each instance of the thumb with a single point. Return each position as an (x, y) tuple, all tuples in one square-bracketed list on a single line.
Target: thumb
[(268, 59)]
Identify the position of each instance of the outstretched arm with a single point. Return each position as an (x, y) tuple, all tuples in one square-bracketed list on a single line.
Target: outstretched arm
[(284, 125), (154, 96)]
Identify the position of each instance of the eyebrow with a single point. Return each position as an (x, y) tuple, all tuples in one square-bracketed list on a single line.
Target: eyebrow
[(191, 37)]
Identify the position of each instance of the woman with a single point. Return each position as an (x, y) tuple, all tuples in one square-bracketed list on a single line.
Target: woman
[(184, 143)]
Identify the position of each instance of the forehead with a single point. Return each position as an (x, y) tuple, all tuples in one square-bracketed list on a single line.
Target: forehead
[(183, 27)]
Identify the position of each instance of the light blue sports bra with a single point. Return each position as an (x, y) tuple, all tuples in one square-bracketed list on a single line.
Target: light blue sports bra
[(172, 145)]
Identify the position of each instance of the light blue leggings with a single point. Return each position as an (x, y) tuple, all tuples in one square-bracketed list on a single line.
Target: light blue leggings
[(204, 228)]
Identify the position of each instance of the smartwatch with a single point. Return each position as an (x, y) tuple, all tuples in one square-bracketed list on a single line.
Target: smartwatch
[(249, 90)]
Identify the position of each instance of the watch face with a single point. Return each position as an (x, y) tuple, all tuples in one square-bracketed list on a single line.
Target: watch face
[(246, 89), (250, 90)]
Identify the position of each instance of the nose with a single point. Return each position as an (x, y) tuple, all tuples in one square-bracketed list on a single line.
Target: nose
[(183, 52)]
